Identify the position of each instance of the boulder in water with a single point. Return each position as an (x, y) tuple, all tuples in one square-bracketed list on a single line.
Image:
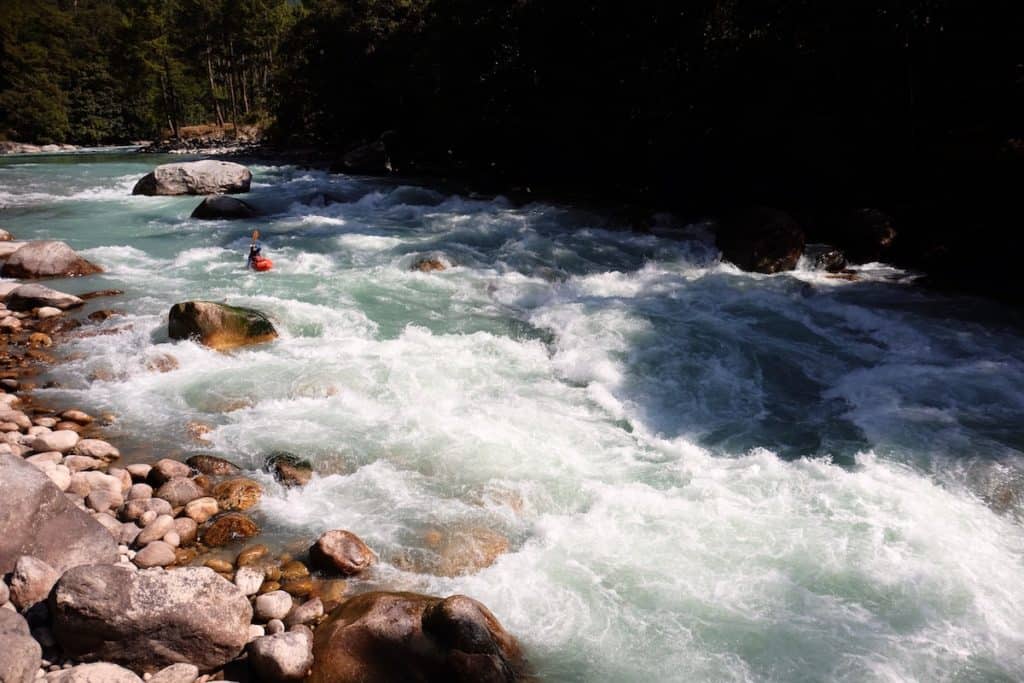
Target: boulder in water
[(150, 619), (47, 258), (342, 551), (288, 469), (5, 236), (219, 326), (825, 257), (761, 240), (404, 636), (865, 235), (27, 297), (37, 519), (195, 177), (222, 206)]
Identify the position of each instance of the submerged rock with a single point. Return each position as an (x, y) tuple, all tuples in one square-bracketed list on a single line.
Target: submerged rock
[(288, 469), (195, 177), (219, 326), (211, 464), (761, 239), (221, 206), (228, 527), (37, 519), (237, 494), (47, 258), (404, 636), (150, 619), (342, 551)]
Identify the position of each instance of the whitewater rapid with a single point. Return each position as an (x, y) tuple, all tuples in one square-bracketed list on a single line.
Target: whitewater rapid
[(699, 474)]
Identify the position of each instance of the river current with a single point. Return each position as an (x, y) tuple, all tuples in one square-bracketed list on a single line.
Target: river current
[(696, 474)]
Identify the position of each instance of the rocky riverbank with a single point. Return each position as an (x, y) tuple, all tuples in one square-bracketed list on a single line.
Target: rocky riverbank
[(114, 571)]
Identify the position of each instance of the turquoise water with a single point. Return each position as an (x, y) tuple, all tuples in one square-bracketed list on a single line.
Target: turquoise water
[(700, 474)]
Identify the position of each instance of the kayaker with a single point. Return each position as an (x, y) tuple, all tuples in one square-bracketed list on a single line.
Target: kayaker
[(255, 252)]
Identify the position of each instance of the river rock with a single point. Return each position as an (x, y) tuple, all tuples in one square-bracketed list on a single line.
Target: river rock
[(865, 235), (97, 448), (46, 258), (273, 605), (27, 297), (761, 240), (135, 509), (195, 177), (176, 673), (20, 654), (220, 206), (61, 441), (80, 463), (342, 551), (237, 494), (179, 491), (228, 527), (282, 657), (212, 465), (187, 530), (288, 469), (202, 509), (404, 636), (166, 469), (37, 519), (5, 236), (249, 579), (100, 672), (307, 612), (219, 326), (156, 530), (31, 581), (150, 619), (155, 554)]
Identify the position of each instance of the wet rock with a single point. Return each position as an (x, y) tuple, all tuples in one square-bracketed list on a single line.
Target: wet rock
[(20, 654), (219, 566), (428, 265), (465, 550), (195, 177), (405, 636), (37, 519), (825, 257), (865, 235), (761, 240), (229, 527), (219, 326), (288, 469), (198, 431), (331, 592), (342, 551), (293, 569), (31, 581), (79, 416), (46, 258), (202, 509), (155, 554), (237, 494), (223, 207), (300, 587), (212, 465), (176, 673), (166, 469), (179, 491), (274, 605), (93, 673), (282, 657), (150, 619), (251, 555)]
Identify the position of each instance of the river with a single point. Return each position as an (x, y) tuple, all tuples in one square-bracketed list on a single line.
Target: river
[(700, 474)]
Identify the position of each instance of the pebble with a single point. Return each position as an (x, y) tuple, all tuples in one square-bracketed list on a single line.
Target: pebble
[(61, 477), (166, 469), (156, 554), (102, 500), (78, 416), (49, 456), (172, 539), (139, 470), (255, 631), (186, 529), (275, 605), (155, 530), (307, 612), (80, 463), (140, 492), (251, 554), (136, 508), (269, 587), (62, 440), (220, 566), (275, 626), (36, 430), (249, 579), (298, 587), (147, 517), (202, 509), (97, 448), (45, 421), (176, 673), (47, 312), (294, 570)]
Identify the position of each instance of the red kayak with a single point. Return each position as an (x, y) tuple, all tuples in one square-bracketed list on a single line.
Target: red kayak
[(262, 264)]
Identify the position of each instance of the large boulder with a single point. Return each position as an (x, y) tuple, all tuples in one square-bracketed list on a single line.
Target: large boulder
[(195, 177), (27, 297), (408, 637), (761, 240), (37, 519), (20, 654), (219, 326), (47, 258), (221, 206), (150, 619)]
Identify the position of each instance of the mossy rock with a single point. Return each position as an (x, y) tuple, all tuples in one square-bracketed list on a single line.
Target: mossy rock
[(219, 326)]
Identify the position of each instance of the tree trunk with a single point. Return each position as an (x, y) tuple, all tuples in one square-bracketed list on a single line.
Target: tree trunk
[(213, 88), (231, 88)]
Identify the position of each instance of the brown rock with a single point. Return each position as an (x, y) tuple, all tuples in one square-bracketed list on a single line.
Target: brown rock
[(219, 566), (404, 636), (251, 555), (198, 431), (343, 551), (428, 265), (202, 509), (212, 465), (761, 239), (179, 491), (331, 592), (298, 587), (47, 259), (293, 569), (237, 494), (187, 530), (166, 469), (31, 581), (229, 527), (219, 326)]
